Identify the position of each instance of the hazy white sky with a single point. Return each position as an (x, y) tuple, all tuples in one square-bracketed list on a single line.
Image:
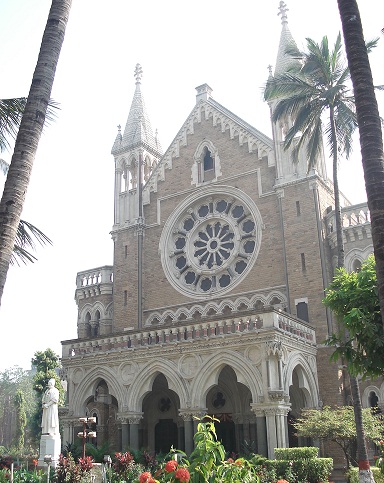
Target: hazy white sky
[(180, 45)]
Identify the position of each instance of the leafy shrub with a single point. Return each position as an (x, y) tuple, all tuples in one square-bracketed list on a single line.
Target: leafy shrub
[(312, 470), (125, 468), (295, 454), (68, 471)]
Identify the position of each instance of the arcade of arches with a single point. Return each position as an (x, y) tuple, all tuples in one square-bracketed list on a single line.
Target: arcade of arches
[(159, 409)]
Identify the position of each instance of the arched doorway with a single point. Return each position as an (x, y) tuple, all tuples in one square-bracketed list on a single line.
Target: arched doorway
[(298, 395), (159, 428), (229, 402), (104, 407)]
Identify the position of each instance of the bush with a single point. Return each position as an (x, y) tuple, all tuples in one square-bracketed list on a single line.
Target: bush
[(294, 454), (353, 474), (312, 470)]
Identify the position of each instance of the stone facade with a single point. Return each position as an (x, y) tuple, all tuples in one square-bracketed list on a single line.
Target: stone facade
[(222, 251)]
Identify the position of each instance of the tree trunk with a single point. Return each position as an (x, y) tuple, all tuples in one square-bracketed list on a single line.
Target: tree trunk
[(371, 139), (336, 192), (29, 133), (365, 473)]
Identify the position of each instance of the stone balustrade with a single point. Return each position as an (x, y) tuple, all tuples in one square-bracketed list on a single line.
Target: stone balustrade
[(95, 276), (197, 330), (351, 216)]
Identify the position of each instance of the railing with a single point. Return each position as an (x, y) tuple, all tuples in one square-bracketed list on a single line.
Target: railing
[(193, 331), (350, 215), (95, 276)]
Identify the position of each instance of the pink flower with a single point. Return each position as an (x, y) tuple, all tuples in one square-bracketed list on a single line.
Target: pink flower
[(182, 474), (171, 466)]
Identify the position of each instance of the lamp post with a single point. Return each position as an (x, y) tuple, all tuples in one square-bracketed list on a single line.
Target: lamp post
[(86, 433)]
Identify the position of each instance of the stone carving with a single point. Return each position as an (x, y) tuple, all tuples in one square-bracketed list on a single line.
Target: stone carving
[(50, 419), (274, 347)]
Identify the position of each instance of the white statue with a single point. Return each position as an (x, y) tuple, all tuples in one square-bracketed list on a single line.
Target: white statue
[(50, 420)]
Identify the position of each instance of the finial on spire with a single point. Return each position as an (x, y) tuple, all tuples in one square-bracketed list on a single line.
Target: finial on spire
[(283, 9), (270, 69), (138, 73), (119, 128)]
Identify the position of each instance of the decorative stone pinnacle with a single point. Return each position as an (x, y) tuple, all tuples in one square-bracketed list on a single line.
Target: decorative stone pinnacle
[(138, 73), (119, 128), (283, 9), (270, 69)]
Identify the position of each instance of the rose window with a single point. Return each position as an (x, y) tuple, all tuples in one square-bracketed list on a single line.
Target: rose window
[(212, 243)]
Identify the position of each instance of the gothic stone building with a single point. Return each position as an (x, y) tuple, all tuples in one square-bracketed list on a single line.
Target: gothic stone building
[(222, 251)]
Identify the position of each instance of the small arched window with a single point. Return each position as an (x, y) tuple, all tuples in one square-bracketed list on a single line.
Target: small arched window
[(373, 401), (356, 265), (208, 165)]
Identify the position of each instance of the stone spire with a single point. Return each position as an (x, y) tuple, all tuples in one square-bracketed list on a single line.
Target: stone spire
[(138, 129), (283, 61)]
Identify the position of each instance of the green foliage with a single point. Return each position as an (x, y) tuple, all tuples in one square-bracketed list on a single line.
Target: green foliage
[(125, 468), (294, 454), (315, 83), (207, 463), (97, 452), (46, 363), (311, 470), (21, 419), (353, 297), (12, 381), (353, 475), (338, 425)]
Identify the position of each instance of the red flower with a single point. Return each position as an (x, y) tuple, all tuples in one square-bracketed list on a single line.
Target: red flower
[(35, 463), (171, 466), (182, 474), (230, 460), (145, 477)]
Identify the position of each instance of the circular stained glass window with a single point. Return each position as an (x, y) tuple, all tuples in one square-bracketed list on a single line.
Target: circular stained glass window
[(210, 242)]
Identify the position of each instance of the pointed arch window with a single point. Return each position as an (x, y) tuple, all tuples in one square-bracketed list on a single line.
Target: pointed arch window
[(206, 165)]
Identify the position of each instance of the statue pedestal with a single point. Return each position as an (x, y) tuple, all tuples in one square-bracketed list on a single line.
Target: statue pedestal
[(50, 444)]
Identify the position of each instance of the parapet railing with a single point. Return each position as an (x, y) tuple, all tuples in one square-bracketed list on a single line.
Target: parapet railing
[(197, 330)]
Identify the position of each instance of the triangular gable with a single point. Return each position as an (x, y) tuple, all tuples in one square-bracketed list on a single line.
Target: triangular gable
[(237, 127)]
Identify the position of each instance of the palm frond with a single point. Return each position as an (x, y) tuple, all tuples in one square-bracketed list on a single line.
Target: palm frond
[(11, 111), (4, 166), (26, 237)]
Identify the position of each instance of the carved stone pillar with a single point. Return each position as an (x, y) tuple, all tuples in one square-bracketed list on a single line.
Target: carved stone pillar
[(261, 429), (270, 417), (282, 426), (124, 433), (188, 431), (134, 421)]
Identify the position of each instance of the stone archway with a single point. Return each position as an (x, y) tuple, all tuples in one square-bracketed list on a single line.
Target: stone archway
[(105, 407), (229, 402), (299, 399), (159, 429)]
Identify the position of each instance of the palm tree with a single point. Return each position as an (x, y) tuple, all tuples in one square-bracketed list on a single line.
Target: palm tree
[(371, 143), (29, 133), (314, 86), (10, 114), (371, 137)]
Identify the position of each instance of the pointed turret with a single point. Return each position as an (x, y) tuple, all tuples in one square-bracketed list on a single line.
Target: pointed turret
[(138, 129), (136, 152), (283, 61), (286, 170)]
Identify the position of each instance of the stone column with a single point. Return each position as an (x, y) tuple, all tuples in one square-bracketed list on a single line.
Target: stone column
[(124, 434), (134, 422), (188, 432), (282, 426), (270, 416)]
